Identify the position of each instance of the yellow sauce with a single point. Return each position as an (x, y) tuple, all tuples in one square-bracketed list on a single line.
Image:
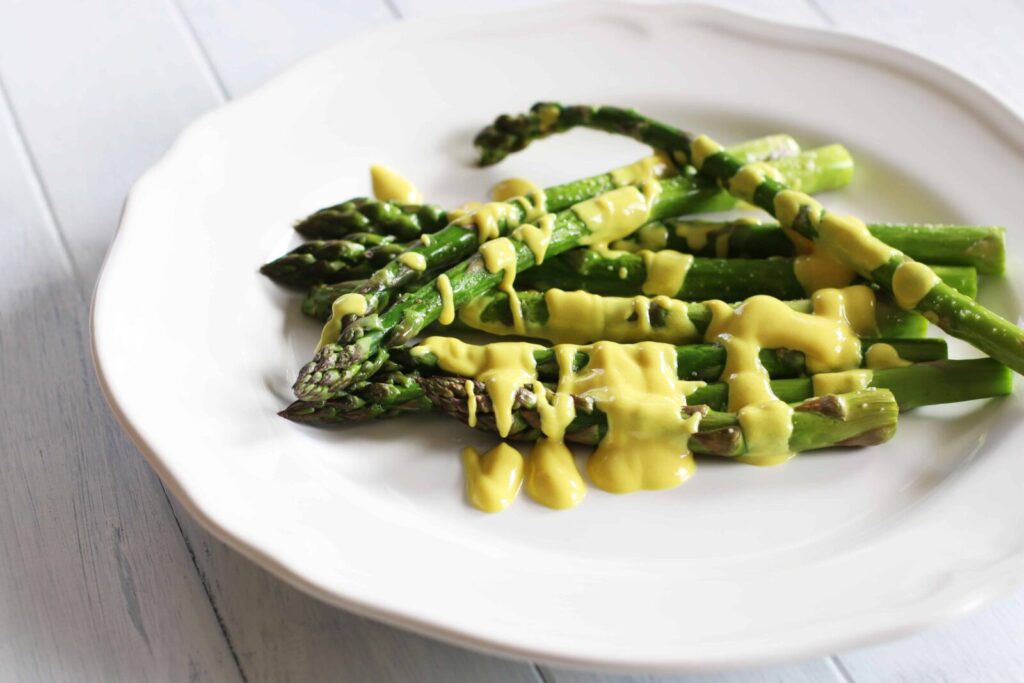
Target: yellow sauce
[(842, 382), (552, 478), (653, 236), (648, 168), (615, 214), (444, 288), (884, 356), (463, 211), (767, 427), (750, 176), (470, 403), (390, 186), (500, 254), (579, 317), (346, 304), (411, 259), (623, 272), (492, 480), (826, 338), (646, 445), (503, 368), (491, 218), (666, 271), (537, 237), (911, 282), (696, 235), (512, 187), (701, 149), (425, 239), (488, 219), (818, 270)]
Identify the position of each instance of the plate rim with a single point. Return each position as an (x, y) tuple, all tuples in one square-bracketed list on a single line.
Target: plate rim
[(980, 102)]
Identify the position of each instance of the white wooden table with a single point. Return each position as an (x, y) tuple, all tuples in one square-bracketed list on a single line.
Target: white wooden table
[(102, 576)]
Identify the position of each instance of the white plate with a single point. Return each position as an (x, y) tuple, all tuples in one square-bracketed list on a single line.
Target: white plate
[(738, 567)]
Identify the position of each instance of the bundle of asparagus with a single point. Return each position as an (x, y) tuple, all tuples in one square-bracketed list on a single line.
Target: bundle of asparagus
[(824, 344)]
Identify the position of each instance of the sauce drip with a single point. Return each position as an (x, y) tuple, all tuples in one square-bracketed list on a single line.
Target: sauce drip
[(411, 259), (390, 186), (444, 288), (500, 254), (492, 480), (346, 304), (666, 271), (579, 317), (512, 187), (883, 356), (911, 282)]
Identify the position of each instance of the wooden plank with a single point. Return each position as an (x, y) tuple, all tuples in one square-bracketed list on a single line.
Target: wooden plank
[(249, 42), (101, 88), (282, 634), (983, 648), (96, 583)]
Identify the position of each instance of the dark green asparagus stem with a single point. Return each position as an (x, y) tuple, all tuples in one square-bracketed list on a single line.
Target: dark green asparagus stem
[(953, 312), (397, 390), (860, 418), (491, 313), (912, 386), (731, 279), (402, 221), (330, 261), (337, 365), (409, 221), (980, 247)]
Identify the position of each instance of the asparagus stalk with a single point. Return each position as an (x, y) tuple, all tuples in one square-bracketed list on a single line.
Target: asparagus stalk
[(337, 365), (362, 214), (624, 273), (397, 389), (862, 418), (731, 279), (319, 261), (955, 313), (821, 169), (980, 247), (409, 221), (492, 314)]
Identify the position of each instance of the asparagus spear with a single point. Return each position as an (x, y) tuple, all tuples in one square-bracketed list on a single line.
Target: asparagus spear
[(398, 390), (955, 313), (337, 365), (312, 263), (980, 247), (362, 214), (492, 314), (732, 279), (624, 273), (409, 221), (862, 418)]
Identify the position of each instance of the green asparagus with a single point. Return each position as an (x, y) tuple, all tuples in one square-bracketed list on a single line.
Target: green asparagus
[(336, 365), (980, 247), (396, 390), (953, 312)]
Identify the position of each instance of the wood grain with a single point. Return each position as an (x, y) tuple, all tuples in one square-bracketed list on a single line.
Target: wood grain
[(96, 583)]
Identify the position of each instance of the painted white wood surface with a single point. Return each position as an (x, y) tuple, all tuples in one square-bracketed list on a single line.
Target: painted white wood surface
[(101, 578)]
